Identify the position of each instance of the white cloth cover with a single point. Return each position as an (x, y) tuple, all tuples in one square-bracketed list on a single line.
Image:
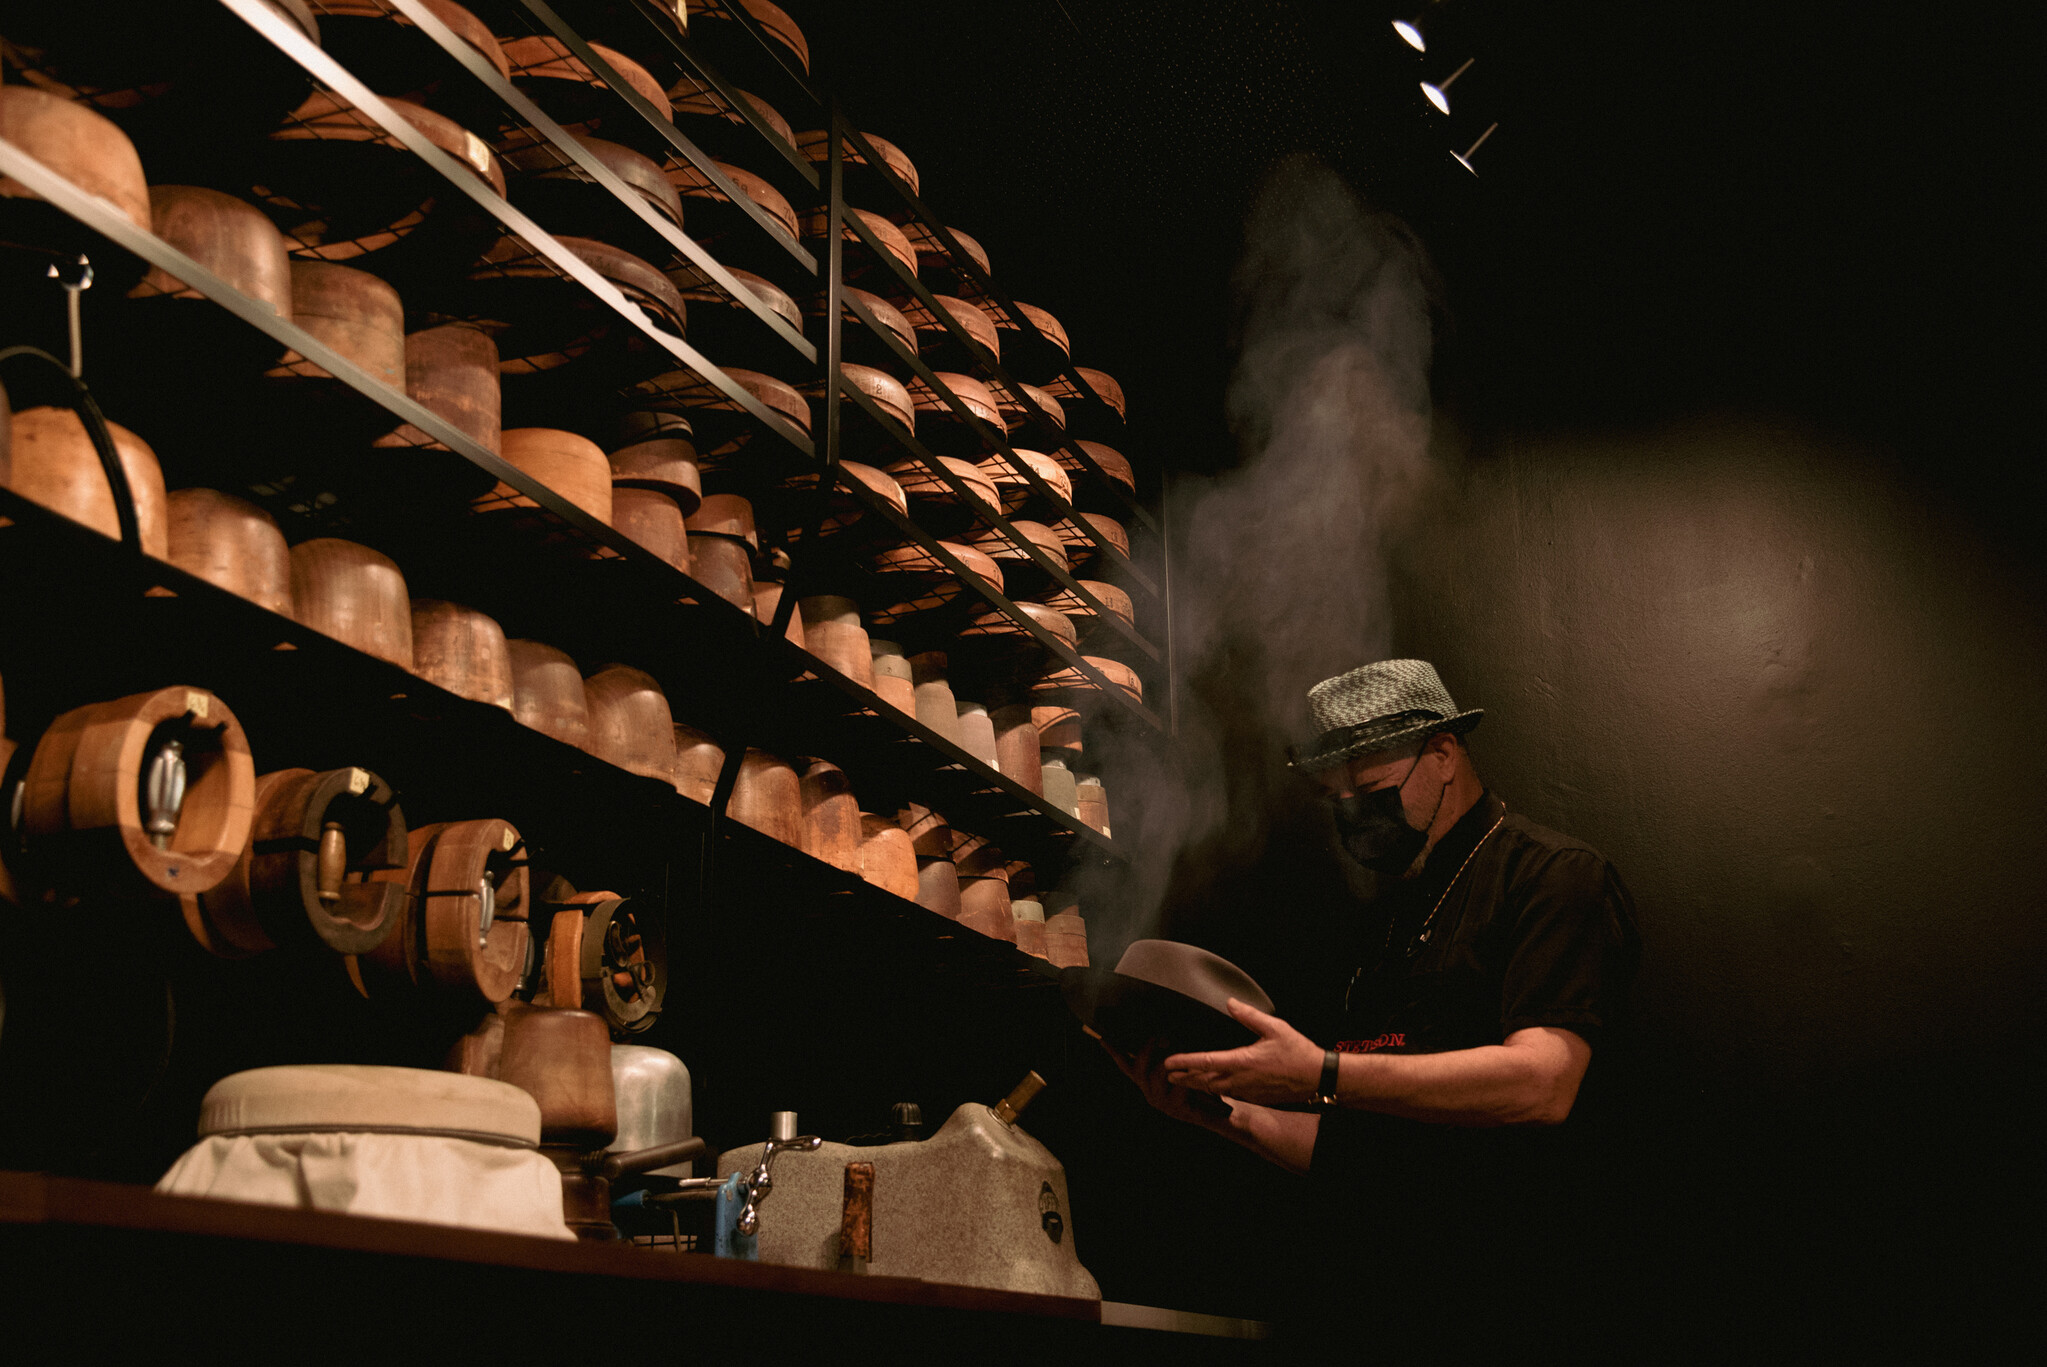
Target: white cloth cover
[(399, 1143), (432, 1178), (353, 1096)]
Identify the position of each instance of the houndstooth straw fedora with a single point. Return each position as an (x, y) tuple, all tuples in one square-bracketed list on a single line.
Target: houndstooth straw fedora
[(1377, 707)]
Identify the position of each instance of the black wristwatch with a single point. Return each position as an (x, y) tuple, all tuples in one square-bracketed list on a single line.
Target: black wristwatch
[(1325, 1094)]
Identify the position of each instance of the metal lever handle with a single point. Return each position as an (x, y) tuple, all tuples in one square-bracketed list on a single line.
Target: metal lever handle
[(617, 1165), (761, 1180)]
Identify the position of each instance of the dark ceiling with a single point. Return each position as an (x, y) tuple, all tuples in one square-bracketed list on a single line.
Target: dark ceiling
[(1806, 211)]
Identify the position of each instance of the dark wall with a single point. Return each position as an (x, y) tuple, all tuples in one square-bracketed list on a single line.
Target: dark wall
[(1781, 666), (1795, 696)]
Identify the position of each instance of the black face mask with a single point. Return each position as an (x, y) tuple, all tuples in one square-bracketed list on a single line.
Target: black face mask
[(1373, 827)]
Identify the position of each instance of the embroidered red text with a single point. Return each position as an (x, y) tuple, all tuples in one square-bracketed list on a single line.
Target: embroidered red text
[(1366, 1046)]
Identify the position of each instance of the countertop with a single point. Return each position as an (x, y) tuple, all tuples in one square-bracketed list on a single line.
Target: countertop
[(98, 1263)]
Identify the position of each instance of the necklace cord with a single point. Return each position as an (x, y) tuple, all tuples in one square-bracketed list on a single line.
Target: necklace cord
[(1423, 937)]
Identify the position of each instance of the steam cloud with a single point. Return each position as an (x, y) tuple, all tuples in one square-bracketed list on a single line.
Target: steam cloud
[(1280, 571)]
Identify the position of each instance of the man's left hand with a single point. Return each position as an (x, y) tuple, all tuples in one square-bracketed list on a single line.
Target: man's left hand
[(1281, 1069)]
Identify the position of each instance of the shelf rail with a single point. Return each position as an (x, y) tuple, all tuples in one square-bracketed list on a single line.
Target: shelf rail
[(705, 165), (292, 41)]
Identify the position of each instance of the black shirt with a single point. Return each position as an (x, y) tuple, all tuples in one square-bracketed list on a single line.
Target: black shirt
[(1507, 926)]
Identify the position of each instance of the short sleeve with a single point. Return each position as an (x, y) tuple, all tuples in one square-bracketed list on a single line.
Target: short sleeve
[(1575, 947)]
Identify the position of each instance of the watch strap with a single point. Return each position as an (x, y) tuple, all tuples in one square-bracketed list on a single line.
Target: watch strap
[(1325, 1093)]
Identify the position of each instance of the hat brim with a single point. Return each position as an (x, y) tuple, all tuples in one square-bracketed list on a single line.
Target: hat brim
[(1130, 1013), (1335, 747)]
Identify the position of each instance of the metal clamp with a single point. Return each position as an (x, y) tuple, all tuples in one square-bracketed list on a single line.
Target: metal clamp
[(761, 1180)]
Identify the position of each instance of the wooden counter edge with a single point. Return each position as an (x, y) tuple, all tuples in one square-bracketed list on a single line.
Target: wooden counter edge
[(35, 1198)]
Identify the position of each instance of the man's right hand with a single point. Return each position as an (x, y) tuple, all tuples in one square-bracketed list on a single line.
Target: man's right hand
[(1147, 1070)]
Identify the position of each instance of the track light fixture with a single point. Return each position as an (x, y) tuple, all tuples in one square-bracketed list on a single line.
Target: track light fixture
[(1439, 94), (1410, 30), (1464, 157)]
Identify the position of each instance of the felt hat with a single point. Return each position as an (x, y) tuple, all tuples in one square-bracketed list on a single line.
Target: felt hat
[(1167, 991), (1378, 707)]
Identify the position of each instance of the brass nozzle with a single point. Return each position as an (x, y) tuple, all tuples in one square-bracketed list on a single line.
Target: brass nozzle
[(1011, 1106)]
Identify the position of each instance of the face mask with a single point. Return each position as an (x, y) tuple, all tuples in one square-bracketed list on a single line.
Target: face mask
[(1373, 827)]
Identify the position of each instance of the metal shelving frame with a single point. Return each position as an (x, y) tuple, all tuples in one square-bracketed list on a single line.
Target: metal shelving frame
[(581, 815), (784, 700)]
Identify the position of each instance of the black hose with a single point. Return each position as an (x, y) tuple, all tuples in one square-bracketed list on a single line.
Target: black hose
[(95, 422)]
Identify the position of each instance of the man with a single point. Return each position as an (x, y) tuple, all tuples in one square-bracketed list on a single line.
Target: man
[(1491, 966)]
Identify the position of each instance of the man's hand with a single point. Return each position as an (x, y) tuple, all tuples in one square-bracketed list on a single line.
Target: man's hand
[(1196, 1108), (1281, 1069)]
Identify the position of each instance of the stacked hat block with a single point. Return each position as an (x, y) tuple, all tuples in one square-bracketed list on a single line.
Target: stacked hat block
[(615, 712), (293, 198)]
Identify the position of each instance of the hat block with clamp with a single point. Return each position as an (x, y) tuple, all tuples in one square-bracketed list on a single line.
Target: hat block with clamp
[(561, 1056)]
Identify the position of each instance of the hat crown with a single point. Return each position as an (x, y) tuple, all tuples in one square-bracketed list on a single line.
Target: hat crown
[(1388, 688)]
